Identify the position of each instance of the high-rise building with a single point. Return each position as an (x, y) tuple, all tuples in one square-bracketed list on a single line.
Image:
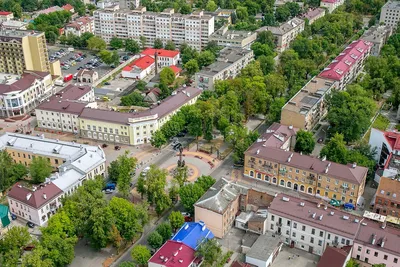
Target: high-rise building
[(23, 50), (193, 29), (390, 13)]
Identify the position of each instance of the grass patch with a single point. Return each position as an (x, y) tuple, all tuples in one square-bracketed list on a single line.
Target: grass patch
[(381, 123)]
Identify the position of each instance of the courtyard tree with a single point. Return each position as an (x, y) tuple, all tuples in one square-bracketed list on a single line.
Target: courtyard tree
[(170, 45), (210, 250), (189, 194), (96, 43), (140, 255), (191, 67), (165, 230), (167, 76), (335, 150), (155, 240), (12, 244), (40, 169), (305, 142), (176, 220), (132, 46), (127, 167), (116, 43), (158, 44), (158, 139)]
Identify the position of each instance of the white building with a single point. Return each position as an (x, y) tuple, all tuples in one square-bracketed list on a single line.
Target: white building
[(390, 13), (233, 38), (331, 5), (285, 33), (139, 69), (165, 58), (264, 250), (311, 226), (22, 93), (228, 65), (378, 36), (80, 25), (129, 4), (14, 25), (6, 16), (193, 29), (61, 111), (73, 162)]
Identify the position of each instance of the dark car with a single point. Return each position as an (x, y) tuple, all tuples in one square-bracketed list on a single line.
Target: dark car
[(125, 58), (104, 145), (13, 216), (117, 148), (29, 247), (181, 134), (107, 83), (30, 225), (33, 114), (320, 140)]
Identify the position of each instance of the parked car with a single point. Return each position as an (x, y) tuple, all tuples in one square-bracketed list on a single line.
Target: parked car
[(30, 225), (104, 145), (107, 83), (13, 216), (117, 148), (125, 58), (320, 140), (109, 186)]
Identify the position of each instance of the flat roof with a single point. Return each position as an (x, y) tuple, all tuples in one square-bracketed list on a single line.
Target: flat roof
[(309, 95), (392, 5), (264, 246), (18, 33), (283, 28)]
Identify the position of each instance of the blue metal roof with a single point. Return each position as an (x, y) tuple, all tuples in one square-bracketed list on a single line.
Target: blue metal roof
[(193, 233)]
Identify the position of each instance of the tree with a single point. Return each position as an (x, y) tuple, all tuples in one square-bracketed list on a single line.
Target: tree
[(108, 57), (181, 175), (305, 142), (60, 248), (37, 258), (100, 225), (176, 220), (10, 171), (165, 230), (191, 67), (205, 58), (158, 139), (51, 37), (113, 170), (189, 194), (276, 84), (96, 43), (167, 76), (267, 64), (379, 265), (127, 167), (205, 182), (158, 44), (185, 9), (266, 37), (260, 49), (116, 43), (282, 13), (275, 109), (14, 240), (140, 255), (211, 6), (134, 99), (210, 251), (132, 46), (143, 41), (155, 240), (335, 150), (115, 238), (17, 10), (39, 169), (127, 264), (170, 45), (352, 263)]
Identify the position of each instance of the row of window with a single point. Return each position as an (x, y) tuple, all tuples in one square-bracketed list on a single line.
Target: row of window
[(376, 254)]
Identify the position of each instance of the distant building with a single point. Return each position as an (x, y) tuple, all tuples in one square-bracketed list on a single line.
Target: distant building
[(14, 25), (222, 15), (390, 13), (335, 257), (233, 38), (6, 16), (139, 69), (313, 15), (80, 26), (264, 251), (193, 234), (345, 67), (331, 5), (386, 200), (87, 76), (378, 36), (285, 33), (165, 58), (174, 253), (68, 8), (47, 11), (305, 109), (129, 4), (228, 65)]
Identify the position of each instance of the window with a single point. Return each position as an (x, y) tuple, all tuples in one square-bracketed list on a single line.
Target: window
[(272, 217), (342, 241), (321, 234), (297, 171), (302, 237), (99, 129), (395, 260), (313, 231), (359, 248), (376, 254), (303, 228), (319, 242), (288, 223), (258, 175), (56, 161), (368, 251), (287, 232), (295, 225), (88, 127), (329, 236), (272, 227), (294, 234), (312, 240), (94, 128), (385, 257)]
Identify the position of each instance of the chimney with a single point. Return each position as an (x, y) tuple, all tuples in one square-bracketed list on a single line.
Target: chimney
[(44, 196), (258, 151), (373, 239), (354, 165), (323, 158), (383, 242)]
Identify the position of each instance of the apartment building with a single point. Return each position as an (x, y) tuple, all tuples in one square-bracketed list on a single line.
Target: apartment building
[(228, 65), (232, 38), (20, 94), (313, 14), (80, 26), (306, 108), (13, 25), (285, 33), (311, 226), (73, 164), (378, 36), (129, 4), (193, 29), (345, 67), (61, 112), (390, 13), (331, 5), (305, 174), (23, 50), (386, 200), (6, 16), (134, 128)]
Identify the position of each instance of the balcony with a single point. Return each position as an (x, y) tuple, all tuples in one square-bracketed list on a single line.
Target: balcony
[(282, 171), (344, 186)]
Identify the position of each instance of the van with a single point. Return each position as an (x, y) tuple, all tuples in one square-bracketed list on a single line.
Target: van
[(110, 186), (75, 76)]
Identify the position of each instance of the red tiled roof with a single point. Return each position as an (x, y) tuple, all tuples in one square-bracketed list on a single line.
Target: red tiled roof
[(330, 1), (173, 254), (160, 52), (42, 195), (239, 264), (142, 63), (175, 69), (333, 257), (312, 13), (68, 7), (80, 22), (342, 63), (5, 13)]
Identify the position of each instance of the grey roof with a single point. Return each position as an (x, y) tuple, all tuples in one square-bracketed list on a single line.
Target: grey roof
[(249, 239), (377, 33), (283, 28), (220, 195), (264, 247), (392, 5), (18, 34)]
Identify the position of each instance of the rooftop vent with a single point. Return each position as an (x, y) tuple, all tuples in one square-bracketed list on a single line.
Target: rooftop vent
[(175, 253), (313, 215), (302, 204), (345, 217), (331, 213), (356, 220), (44, 196), (180, 248), (286, 199), (28, 196), (186, 226), (258, 151), (180, 260), (320, 217)]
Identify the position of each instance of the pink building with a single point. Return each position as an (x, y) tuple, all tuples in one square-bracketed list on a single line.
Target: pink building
[(345, 67), (377, 243), (331, 5)]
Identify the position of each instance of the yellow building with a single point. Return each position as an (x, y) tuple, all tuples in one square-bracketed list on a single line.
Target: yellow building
[(305, 174), (24, 50)]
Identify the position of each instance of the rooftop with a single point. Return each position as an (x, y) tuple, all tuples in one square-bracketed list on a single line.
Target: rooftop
[(314, 12), (227, 57), (5, 13), (193, 234), (160, 52), (220, 196), (173, 254), (333, 257), (276, 135), (316, 215), (283, 28), (67, 7), (49, 10), (339, 67), (79, 22), (377, 33), (389, 188), (311, 94), (12, 83), (13, 24), (264, 247), (225, 34), (391, 4), (140, 63), (34, 197), (175, 69), (5, 34), (165, 107), (348, 173)]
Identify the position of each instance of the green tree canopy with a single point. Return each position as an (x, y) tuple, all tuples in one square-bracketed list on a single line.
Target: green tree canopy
[(140, 255), (116, 43), (167, 76), (176, 220), (158, 44), (165, 230), (210, 250), (170, 45), (40, 169), (155, 240), (96, 43), (305, 142), (191, 67), (132, 46)]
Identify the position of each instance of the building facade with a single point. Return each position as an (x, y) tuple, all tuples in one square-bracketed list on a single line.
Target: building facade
[(21, 94), (285, 33), (331, 5), (129, 4), (305, 109), (345, 67), (6, 16), (139, 68), (390, 13), (193, 29), (378, 36), (164, 58), (305, 174), (313, 15), (232, 38), (80, 26), (386, 201), (228, 65)]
